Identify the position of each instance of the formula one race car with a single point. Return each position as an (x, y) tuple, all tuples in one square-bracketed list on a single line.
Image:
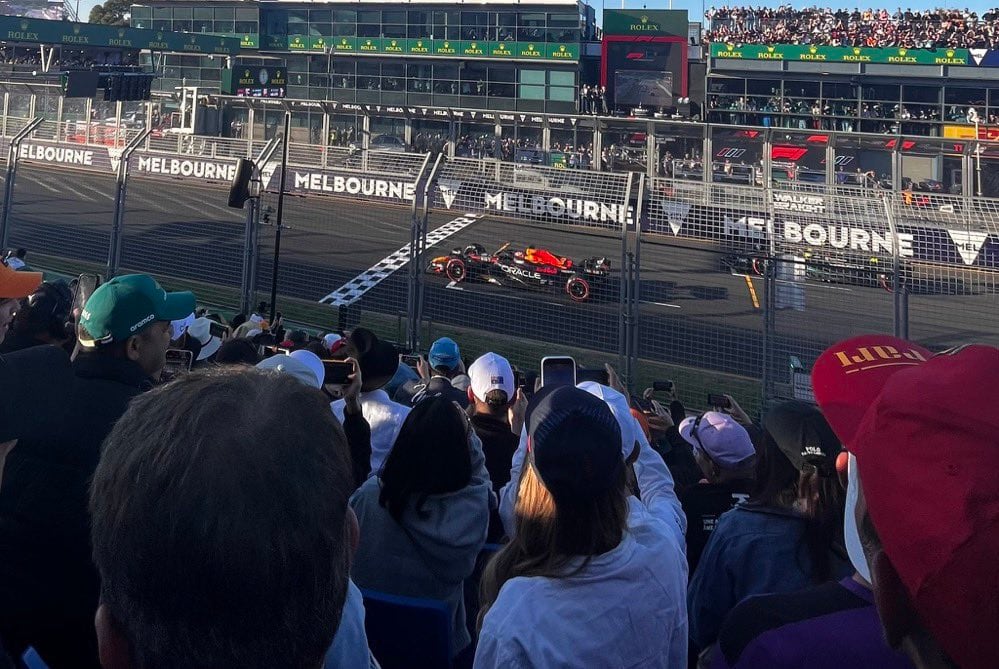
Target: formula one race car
[(818, 268), (528, 268)]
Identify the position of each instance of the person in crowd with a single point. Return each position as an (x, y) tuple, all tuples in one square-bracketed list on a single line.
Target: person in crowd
[(592, 576), (491, 394), (208, 344), (443, 373), (237, 351), (378, 362), (45, 317), (428, 509), (48, 592), (14, 286), (787, 536), (727, 458), (221, 547), (16, 259), (925, 451)]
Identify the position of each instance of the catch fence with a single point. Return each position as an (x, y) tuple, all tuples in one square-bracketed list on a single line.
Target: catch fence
[(721, 287)]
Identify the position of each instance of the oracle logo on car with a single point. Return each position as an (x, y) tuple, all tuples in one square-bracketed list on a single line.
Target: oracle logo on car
[(517, 271)]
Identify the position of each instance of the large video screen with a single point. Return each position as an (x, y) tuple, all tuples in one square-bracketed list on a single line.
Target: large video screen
[(648, 89), (644, 73)]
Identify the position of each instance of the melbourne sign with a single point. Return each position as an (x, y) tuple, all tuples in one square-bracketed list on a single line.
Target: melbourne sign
[(190, 168), (841, 54), (846, 237), (66, 154), (559, 208), (352, 185)]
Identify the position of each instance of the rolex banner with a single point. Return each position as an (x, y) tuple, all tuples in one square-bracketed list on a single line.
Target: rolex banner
[(841, 54)]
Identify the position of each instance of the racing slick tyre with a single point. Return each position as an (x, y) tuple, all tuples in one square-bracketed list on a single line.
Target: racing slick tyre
[(578, 289), (456, 270)]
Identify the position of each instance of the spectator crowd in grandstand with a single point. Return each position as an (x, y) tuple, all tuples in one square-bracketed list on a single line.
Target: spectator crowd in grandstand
[(179, 490), (929, 29)]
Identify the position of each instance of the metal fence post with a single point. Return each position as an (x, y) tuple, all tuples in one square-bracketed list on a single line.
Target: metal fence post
[(900, 286), (417, 245), (121, 187), (251, 232), (8, 189), (769, 280)]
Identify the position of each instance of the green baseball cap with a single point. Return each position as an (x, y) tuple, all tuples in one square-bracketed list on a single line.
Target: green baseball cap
[(126, 305)]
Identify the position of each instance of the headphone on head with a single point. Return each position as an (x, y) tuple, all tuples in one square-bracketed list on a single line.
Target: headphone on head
[(50, 308)]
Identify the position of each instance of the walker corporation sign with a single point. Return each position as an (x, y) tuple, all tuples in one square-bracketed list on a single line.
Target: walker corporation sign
[(365, 187)]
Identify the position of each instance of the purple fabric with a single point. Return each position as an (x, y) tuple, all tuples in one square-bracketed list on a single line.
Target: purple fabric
[(848, 637)]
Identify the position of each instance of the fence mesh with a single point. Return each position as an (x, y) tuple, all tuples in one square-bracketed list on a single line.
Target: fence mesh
[(735, 283), (182, 230)]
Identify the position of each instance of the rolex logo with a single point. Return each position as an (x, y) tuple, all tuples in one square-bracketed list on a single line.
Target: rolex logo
[(121, 32), (76, 29), (447, 45), (856, 51), (812, 49), (730, 46), (419, 44), (367, 43), (770, 49), (159, 37), (246, 73), (562, 48), (474, 45), (24, 26), (394, 43), (950, 53), (902, 52), (530, 47), (644, 19)]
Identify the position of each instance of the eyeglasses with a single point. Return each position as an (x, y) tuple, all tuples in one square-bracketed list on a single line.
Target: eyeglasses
[(693, 433)]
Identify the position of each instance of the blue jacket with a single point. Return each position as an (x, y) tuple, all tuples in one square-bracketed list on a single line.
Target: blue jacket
[(754, 550)]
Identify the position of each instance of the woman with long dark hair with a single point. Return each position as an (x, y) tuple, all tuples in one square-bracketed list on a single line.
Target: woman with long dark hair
[(424, 518), (787, 536), (592, 576)]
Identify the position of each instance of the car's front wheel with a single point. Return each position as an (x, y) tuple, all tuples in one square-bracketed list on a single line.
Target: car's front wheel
[(456, 270)]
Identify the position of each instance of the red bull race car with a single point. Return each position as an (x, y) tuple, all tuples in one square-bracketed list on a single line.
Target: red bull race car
[(531, 267)]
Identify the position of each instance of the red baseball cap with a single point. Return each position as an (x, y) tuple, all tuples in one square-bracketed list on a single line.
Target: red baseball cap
[(925, 432)]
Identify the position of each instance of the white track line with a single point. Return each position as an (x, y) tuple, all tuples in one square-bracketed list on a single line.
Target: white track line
[(352, 291)]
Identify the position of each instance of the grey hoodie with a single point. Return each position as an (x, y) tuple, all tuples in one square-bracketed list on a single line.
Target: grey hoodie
[(439, 551)]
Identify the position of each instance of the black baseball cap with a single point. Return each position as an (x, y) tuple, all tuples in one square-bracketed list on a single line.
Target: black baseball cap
[(803, 435), (575, 443)]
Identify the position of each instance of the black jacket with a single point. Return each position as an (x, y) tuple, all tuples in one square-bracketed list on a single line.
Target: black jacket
[(48, 584), (413, 391)]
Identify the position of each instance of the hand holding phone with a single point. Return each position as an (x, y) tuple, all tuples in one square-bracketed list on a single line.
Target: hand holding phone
[(337, 372), (719, 401), (559, 370), (178, 361)]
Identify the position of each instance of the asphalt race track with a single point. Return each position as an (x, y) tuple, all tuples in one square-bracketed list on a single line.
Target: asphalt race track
[(692, 312)]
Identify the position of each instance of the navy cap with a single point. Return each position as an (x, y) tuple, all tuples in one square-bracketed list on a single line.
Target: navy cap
[(575, 443)]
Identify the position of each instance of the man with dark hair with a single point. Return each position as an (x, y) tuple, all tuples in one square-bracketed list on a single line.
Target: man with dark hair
[(442, 374), (926, 443), (492, 393), (219, 547), (48, 586), (14, 286), (45, 317)]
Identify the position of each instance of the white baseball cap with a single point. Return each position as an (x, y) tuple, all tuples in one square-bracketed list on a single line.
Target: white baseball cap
[(491, 372), (314, 363)]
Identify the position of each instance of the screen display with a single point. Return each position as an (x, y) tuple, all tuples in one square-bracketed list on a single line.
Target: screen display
[(648, 89), (644, 73)]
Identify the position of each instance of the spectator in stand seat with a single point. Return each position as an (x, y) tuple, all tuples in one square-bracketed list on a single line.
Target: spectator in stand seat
[(424, 518), (834, 624), (787, 536), (725, 453), (442, 373), (492, 396), (221, 529), (592, 576), (378, 361), (48, 586), (926, 443), (14, 286)]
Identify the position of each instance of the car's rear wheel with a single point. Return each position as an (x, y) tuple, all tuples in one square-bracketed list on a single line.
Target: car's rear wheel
[(456, 270), (578, 289)]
